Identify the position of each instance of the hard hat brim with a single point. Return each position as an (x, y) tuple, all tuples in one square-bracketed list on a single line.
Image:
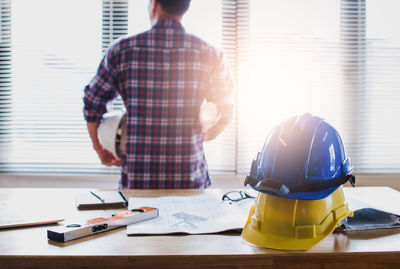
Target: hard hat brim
[(316, 195)]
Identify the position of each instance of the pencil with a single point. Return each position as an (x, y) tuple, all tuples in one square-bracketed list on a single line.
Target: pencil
[(98, 197)]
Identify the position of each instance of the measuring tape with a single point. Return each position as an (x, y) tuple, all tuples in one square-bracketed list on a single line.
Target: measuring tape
[(98, 225)]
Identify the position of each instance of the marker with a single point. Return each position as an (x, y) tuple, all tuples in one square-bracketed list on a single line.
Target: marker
[(98, 197)]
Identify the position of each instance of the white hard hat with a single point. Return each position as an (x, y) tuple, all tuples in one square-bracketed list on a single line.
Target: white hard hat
[(112, 132), (208, 115)]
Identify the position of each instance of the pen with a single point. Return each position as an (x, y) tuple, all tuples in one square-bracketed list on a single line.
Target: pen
[(98, 197)]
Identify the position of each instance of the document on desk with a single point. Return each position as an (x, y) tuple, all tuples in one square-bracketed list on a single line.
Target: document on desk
[(199, 214), (359, 198)]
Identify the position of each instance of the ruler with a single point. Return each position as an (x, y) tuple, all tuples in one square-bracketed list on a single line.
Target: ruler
[(99, 225)]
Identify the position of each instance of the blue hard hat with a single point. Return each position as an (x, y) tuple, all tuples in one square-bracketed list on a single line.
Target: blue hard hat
[(303, 158)]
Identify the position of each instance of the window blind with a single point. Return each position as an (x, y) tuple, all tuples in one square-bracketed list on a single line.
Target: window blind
[(293, 67), (380, 104), (354, 65), (115, 21), (5, 77), (54, 57), (335, 59), (235, 40)]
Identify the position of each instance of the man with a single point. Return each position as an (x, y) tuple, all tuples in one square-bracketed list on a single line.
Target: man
[(163, 76)]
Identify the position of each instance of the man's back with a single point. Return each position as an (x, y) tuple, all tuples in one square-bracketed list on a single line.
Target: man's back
[(163, 76)]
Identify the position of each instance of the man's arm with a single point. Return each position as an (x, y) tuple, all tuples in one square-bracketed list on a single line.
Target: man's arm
[(100, 90), (220, 92), (106, 157)]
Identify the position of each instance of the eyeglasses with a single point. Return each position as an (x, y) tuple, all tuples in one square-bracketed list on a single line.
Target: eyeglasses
[(236, 196)]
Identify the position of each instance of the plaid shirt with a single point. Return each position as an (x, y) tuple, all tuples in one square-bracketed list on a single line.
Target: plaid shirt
[(163, 75)]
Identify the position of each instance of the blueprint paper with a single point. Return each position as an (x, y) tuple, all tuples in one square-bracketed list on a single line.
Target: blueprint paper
[(199, 214)]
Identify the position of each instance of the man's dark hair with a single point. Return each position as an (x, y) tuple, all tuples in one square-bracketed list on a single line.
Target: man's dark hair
[(174, 7)]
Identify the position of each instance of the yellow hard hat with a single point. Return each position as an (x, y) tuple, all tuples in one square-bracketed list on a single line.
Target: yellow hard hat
[(292, 224)]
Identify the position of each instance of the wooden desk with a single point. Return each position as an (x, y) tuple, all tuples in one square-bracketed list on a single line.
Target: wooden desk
[(29, 247)]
